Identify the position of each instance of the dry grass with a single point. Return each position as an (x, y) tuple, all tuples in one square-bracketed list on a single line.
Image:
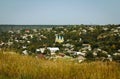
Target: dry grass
[(26, 67)]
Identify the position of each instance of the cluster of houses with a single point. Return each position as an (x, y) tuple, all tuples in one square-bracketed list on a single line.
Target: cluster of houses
[(24, 37)]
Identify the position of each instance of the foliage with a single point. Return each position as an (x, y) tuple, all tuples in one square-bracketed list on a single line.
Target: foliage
[(89, 55), (47, 52), (101, 54), (117, 57)]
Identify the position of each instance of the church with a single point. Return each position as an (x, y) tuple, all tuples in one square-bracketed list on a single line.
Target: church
[(59, 39)]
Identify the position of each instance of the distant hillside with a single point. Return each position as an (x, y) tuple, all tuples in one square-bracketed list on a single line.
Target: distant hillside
[(16, 27)]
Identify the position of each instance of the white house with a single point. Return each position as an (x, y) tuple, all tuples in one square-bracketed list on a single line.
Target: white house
[(37, 50), (116, 54), (118, 50), (80, 53), (52, 49), (86, 47), (80, 59), (42, 50), (24, 47), (25, 52)]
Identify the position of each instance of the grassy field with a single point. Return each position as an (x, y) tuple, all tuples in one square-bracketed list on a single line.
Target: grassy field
[(27, 67)]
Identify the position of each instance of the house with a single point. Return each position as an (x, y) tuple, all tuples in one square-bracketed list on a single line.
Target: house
[(24, 47), (116, 30), (2, 43), (80, 56), (105, 52), (34, 30), (118, 27), (42, 50), (116, 54), (84, 31), (9, 43), (80, 39), (28, 41), (24, 37), (86, 47), (109, 58), (52, 49), (27, 31), (80, 59), (31, 36), (42, 36), (10, 31), (68, 45), (18, 31), (95, 53), (105, 28), (79, 53), (118, 50), (91, 29), (38, 50), (25, 52)]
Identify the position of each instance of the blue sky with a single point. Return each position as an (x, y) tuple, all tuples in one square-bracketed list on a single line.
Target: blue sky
[(59, 12)]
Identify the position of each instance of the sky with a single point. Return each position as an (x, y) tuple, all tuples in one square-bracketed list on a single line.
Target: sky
[(59, 12)]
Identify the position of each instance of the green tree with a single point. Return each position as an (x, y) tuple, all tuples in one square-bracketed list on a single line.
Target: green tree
[(100, 54), (89, 55), (117, 57), (47, 52)]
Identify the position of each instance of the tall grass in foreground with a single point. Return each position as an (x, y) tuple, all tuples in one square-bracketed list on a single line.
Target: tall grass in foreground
[(27, 67)]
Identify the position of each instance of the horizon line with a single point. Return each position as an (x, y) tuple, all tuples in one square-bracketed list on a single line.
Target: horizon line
[(59, 24)]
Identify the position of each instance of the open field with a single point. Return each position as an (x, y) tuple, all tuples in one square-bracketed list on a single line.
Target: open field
[(26, 67)]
